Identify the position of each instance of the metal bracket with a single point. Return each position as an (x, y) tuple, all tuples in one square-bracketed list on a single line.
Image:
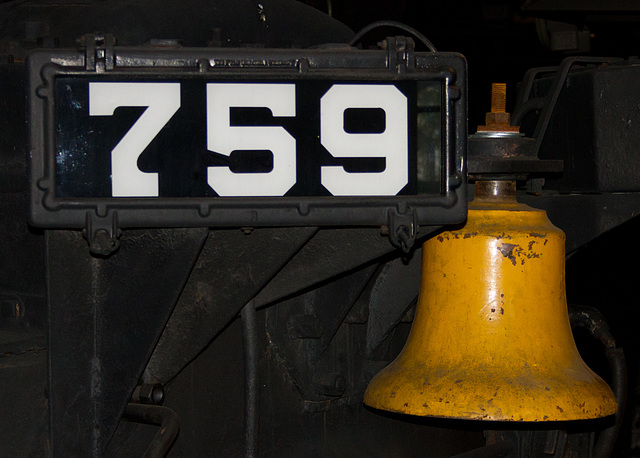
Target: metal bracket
[(99, 54), (403, 228), (102, 233), (546, 104), (401, 52)]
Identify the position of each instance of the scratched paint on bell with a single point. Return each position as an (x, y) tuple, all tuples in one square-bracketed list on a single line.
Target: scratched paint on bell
[(515, 252), (493, 311)]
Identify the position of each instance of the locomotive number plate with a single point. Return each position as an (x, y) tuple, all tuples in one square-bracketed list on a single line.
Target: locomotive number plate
[(239, 145)]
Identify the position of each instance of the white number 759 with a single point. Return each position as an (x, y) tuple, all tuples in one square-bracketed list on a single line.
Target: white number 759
[(163, 101)]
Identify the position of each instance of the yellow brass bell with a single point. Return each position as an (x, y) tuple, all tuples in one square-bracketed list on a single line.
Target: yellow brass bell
[(491, 338)]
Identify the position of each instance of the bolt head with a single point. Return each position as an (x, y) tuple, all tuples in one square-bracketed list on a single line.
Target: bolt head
[(503, 119)]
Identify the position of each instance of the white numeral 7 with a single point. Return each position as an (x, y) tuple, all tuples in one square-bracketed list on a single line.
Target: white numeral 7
[(162, 101)]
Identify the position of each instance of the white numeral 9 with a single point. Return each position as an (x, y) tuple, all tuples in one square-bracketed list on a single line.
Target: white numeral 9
[(391, 144)]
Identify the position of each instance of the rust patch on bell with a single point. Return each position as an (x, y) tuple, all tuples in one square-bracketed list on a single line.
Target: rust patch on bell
[(507, 251), (513, 251), (530, 253)]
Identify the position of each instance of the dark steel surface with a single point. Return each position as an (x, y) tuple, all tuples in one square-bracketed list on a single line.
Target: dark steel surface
[(313, 366), (596, 102), (23, 384), (571, 212), (329, 253), (233, 266), (307, 331), (282, 23), (392, 294), (105, 317), (208, 397)]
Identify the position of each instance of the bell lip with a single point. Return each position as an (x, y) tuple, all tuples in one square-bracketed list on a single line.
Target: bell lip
[(395, 390), (487, 418), (497, 416)]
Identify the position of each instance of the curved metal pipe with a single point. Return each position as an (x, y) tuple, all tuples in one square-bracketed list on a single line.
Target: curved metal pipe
[(393, 24), (164, 417), (594, 322)]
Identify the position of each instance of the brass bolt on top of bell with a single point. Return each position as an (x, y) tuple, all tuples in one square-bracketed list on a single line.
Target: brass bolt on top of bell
[(498, 120), (500, 151)]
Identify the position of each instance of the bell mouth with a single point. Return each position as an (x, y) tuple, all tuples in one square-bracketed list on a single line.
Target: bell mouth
[(498, 394)]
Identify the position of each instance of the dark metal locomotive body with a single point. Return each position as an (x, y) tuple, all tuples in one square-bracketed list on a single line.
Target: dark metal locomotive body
[(261, 338)]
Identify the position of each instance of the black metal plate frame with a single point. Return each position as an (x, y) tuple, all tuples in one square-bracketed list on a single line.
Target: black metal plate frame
[(342, 63)]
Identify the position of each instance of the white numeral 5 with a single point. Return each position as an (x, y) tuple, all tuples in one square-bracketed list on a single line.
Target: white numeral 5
[(223, 138)]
